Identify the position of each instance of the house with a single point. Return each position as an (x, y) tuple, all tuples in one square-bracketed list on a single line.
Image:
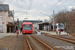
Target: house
[(5, 18), (10, 25), (4, 11)]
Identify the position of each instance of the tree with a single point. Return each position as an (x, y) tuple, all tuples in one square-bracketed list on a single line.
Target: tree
[(64, 15)]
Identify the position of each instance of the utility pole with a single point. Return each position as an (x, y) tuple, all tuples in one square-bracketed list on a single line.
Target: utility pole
[(18, 23), (53, 20), (67, 25), (13, 20), (13, 16), (2, 21), (59, 27)]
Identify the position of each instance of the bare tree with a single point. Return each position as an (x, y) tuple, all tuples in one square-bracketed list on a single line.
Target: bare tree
[(71, 19)]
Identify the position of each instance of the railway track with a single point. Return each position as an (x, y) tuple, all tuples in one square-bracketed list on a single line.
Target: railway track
[(62, 38), (37, 44), (27, 44), (49, 48)]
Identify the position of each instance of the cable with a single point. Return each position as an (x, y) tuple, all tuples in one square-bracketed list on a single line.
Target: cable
[(27, 10), (31, 1), (58, 5), (30, 4), (20, 14), (44, 14), (53, 6)]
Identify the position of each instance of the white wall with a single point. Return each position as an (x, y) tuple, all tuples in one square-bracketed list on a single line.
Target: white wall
[(10, 19), (36, 25), (1, 16)]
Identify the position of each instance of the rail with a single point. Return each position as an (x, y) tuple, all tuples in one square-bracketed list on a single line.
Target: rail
[(63, 39), (28, 43), (42, 43)]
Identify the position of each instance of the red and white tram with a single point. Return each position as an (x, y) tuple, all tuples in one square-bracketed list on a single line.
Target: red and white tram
[(27, 28)]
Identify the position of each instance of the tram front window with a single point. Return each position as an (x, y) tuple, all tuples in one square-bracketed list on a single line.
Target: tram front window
[(27, 27)]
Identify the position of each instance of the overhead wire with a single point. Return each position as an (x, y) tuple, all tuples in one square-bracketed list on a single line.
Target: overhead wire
[(20, 14), (50, 8), (58, 6), (30, 4), (53, 5), (27, 10)]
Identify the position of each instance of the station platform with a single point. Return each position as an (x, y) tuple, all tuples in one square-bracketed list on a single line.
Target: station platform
[(53, 33)]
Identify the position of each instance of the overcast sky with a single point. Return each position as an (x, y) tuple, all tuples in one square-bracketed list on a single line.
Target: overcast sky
[(31, 8)]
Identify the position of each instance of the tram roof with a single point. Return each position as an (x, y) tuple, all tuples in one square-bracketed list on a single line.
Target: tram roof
[(27, 23)]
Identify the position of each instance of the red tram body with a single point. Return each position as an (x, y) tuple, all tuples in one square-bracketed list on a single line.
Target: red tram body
[(27, 28)]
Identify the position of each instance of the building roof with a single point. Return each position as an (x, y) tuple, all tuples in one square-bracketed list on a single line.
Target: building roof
[(10, 24), (4, 7), (43, 23), (27, 23), (33, 21), (10, 13)]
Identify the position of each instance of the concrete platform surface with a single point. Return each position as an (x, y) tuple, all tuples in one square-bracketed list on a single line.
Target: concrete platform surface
[(53, 33)]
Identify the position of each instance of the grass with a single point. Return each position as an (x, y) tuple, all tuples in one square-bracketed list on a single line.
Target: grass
[(5, 37)]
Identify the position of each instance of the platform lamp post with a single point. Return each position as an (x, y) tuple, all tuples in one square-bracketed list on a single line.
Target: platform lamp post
[(18, 23), (67, 25), (53, 20)]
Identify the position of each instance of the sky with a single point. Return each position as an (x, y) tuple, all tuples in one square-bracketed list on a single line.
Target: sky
[(38, 9)]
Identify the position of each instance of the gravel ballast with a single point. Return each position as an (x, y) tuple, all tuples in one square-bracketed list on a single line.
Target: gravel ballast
[(62, 45)]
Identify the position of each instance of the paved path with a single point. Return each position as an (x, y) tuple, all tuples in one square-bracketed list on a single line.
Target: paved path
[(7, 34)]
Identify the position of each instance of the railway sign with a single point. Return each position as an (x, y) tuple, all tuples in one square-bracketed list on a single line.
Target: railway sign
[(3, 22)]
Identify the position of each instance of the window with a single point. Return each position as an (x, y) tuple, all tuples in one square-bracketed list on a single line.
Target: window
[(27, 27), (0, 27), (61, 26)]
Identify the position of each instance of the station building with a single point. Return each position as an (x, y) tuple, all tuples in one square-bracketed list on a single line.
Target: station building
[(46, 26), (5, 19)]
